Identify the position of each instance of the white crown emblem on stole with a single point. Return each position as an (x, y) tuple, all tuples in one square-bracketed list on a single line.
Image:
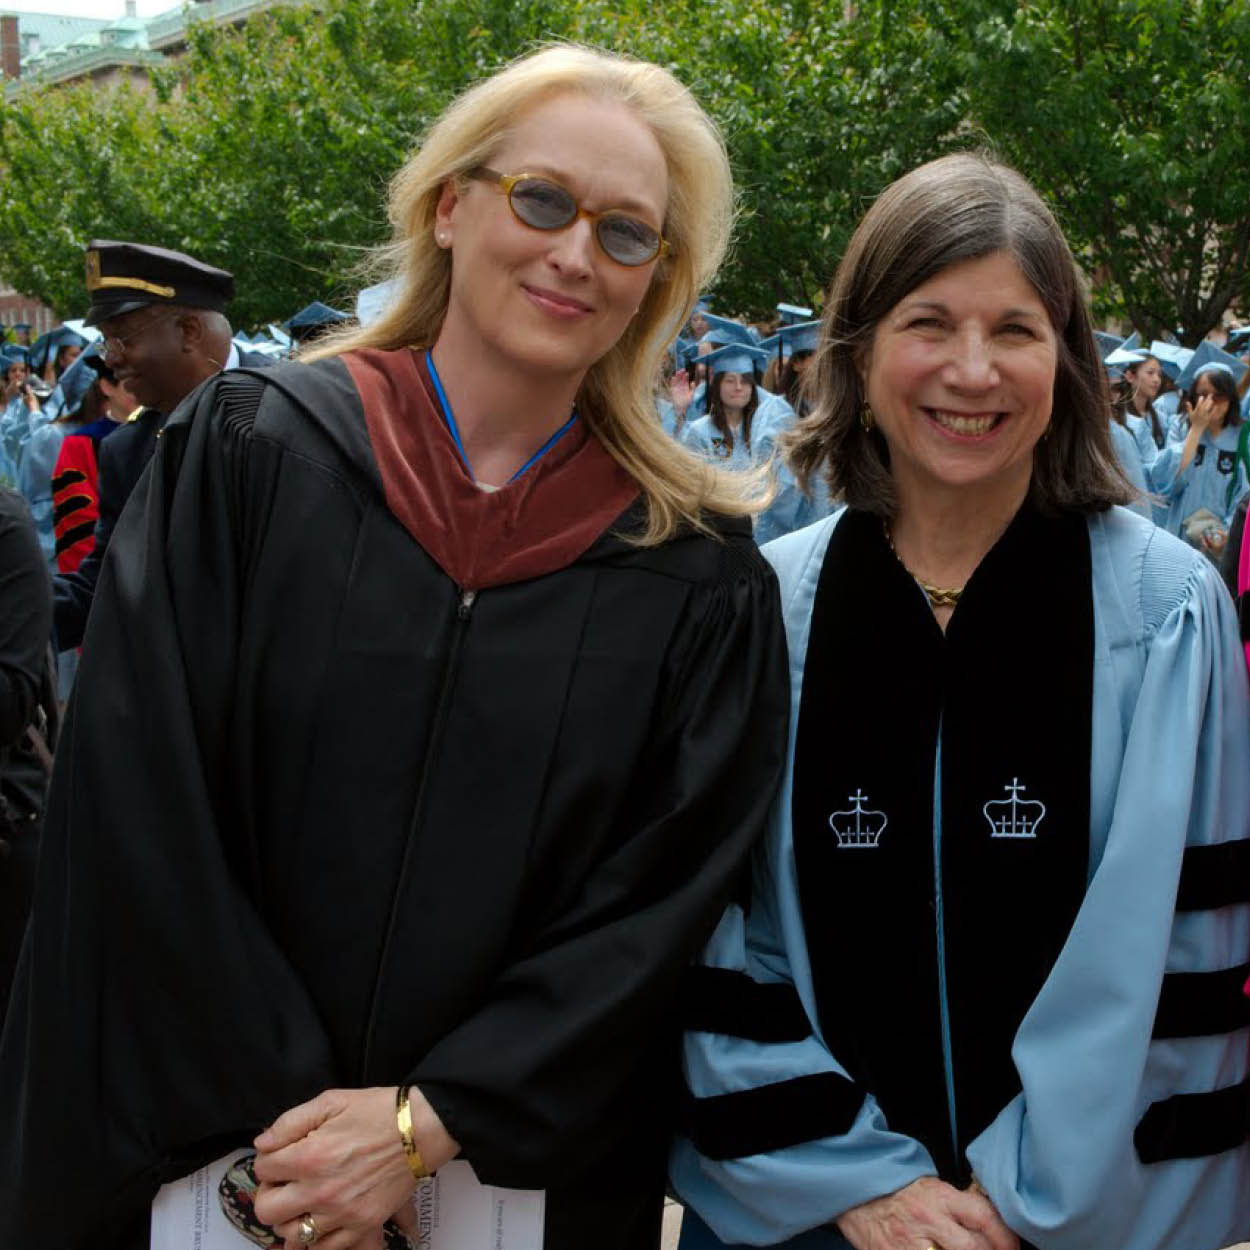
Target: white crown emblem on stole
[(858, 827), (1014, 817)]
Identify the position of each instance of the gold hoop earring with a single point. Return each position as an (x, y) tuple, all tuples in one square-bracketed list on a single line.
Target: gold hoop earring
[(866, 419)]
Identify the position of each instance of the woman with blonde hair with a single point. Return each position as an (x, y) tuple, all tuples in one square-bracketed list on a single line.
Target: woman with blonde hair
[(451, 696), (988, 991)]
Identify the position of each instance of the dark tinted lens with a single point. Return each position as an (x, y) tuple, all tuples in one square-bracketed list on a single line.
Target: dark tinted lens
[(628, 240), (541, 204)]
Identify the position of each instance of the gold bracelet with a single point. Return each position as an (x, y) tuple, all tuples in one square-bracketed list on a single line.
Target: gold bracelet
[(403, 1117)]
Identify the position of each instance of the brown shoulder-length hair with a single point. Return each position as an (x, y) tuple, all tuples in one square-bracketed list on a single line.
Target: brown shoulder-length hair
[(958, 208)]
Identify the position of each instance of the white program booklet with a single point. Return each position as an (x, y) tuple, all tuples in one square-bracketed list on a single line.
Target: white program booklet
[(454, 1212)]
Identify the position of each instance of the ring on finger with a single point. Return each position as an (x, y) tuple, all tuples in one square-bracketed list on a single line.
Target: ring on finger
[(306, 1231)]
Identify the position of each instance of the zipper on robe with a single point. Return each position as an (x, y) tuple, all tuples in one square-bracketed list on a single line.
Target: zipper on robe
[(465, 599)]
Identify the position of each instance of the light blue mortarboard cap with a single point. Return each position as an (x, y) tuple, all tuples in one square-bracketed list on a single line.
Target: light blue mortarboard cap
[(315, 315), (802, 336), (736, 358), (792, 314), (722, 331), (1123, 357), (1205, 356), (1132, 342), (1172, 357), (680, 350), (700, 306), (77, 379), (1238, 340), (47, 345), (1107, 343)]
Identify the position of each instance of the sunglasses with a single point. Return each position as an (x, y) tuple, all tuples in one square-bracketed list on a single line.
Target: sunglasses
[(546, 205)]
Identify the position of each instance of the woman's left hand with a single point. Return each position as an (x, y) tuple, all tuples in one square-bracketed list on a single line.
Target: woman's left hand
[(340, 1159)]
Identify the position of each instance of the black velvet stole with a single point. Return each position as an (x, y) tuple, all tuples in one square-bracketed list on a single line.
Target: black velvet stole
[(1008, 692)]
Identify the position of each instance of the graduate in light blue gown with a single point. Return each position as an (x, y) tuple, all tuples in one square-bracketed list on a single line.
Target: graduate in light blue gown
[(987, 990), (19, 414), (792, 507), (1129, 456), (724, 332), (1199, 473), (1143, 377), (741, 427)]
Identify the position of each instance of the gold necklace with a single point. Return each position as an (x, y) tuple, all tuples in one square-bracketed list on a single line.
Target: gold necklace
[(939, 596)]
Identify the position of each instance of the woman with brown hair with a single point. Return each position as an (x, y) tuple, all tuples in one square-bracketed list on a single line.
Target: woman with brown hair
[(987, 993), (450, 697)]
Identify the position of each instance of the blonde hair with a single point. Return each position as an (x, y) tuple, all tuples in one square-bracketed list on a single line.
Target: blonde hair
[(617, 397)]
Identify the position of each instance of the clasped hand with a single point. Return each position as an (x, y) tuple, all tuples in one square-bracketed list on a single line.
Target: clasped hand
[(926, 1213), (339, 1158)]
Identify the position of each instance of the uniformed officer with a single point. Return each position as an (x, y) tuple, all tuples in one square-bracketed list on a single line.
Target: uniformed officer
[(162, 315)]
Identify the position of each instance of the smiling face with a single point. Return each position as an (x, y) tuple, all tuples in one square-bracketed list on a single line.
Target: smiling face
[(146, 350), (960, 377), (551, 302)]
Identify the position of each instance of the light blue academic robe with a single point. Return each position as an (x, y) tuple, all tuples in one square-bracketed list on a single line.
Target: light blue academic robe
[(668, 416), (772, 416), (17, 424), (1143, 436), (34, 476), (1200, 485), (790, 508), (1129, 456), (1058, 1162)]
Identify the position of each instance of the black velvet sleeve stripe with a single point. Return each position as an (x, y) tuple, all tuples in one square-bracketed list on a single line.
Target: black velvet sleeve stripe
[(1214, 876), (772, 1117), (718, 1000), (65, 541), (67, 477), (1243, 614), (67, 507), (1190, 1126), (1200, 1004)]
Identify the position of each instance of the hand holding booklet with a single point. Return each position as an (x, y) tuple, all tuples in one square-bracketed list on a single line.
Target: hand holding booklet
[(454, 1212)]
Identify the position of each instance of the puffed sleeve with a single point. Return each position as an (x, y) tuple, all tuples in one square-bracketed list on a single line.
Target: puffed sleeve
[(1143, 1007), (526, 1082), (778, 1139)]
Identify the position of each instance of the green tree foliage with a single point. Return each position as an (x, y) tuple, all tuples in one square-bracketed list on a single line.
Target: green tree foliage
[(1130, 115), (267, 149)]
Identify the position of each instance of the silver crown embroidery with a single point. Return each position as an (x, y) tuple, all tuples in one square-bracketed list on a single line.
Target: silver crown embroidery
[(1014, 817), (858, 827)]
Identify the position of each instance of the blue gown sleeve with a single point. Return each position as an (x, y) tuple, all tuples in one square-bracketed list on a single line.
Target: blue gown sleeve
[(1059, 1161), (1164, 472), (1129, 456), (767, 1197)]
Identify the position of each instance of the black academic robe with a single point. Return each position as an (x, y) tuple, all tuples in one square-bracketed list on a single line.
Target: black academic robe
[(25, 625), (320, 821), (122, 460)]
